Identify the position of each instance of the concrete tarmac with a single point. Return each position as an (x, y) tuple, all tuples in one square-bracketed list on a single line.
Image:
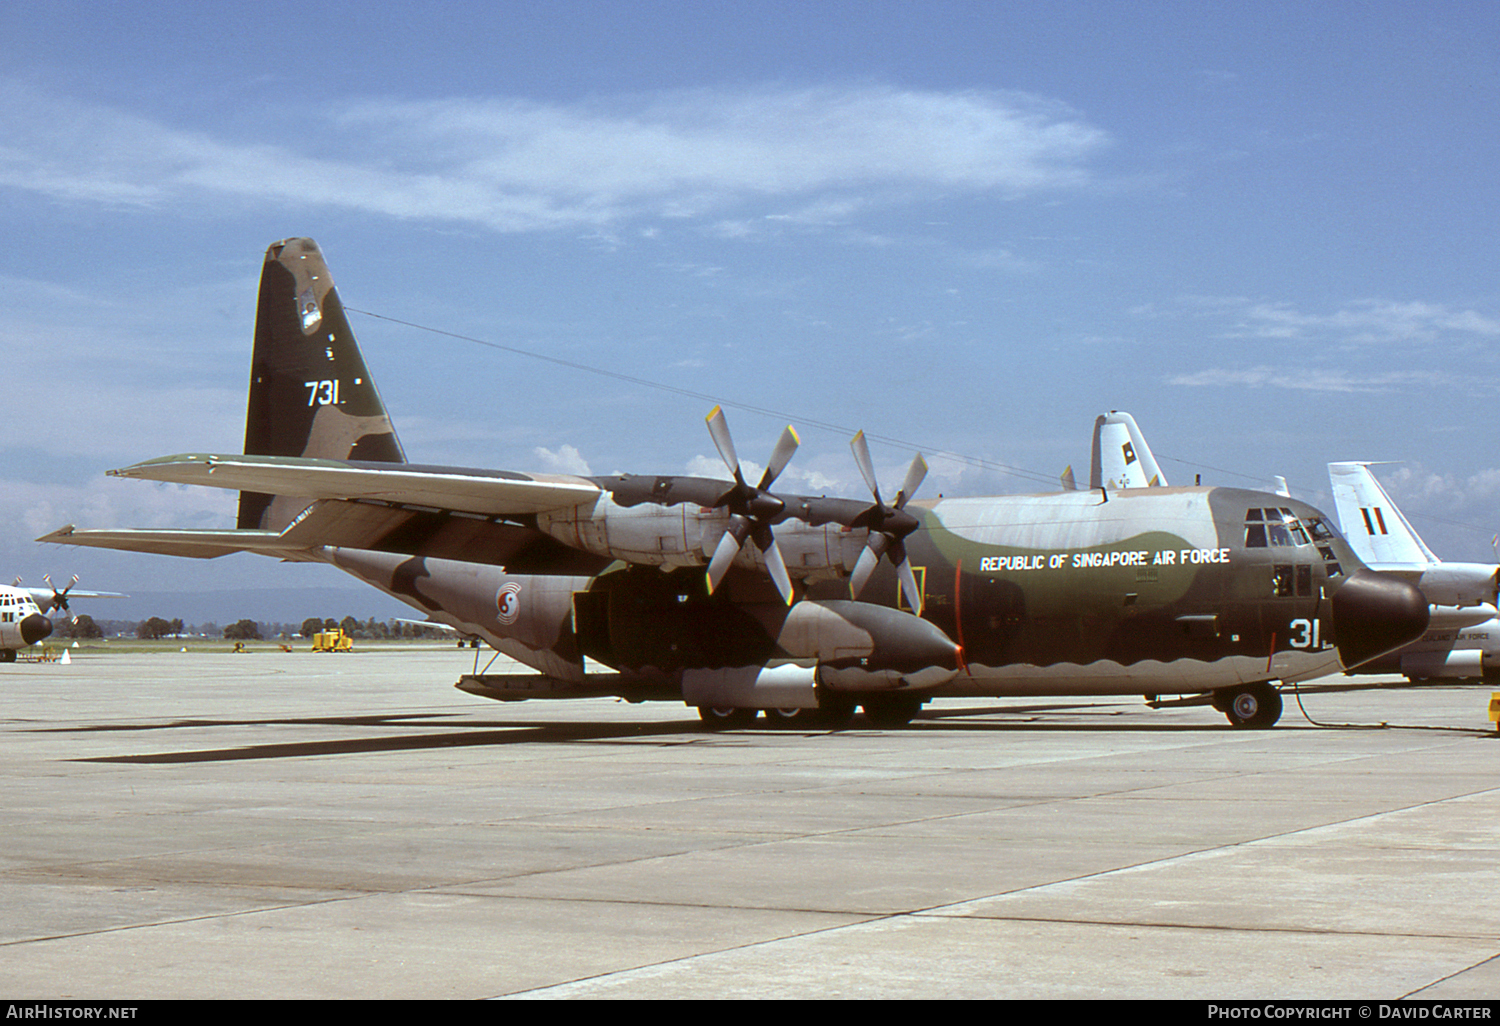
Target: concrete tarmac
[(350, 826)]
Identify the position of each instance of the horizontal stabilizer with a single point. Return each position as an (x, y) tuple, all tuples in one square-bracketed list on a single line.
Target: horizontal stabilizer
[(446, 488), (166, 542)]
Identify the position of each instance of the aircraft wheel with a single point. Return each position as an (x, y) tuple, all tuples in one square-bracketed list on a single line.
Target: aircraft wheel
[(790, 719), (8, 655), (1255, 706), (723, 717), (832, 713), (890, 711)]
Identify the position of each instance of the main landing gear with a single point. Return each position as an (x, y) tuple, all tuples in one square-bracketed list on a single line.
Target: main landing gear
[(1254, 706)]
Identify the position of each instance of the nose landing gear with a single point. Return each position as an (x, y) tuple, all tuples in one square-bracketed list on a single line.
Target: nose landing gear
[(1253, 706)]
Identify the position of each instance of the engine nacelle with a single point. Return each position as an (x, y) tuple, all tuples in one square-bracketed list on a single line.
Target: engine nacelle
[(863, 647), (685, 534), (1458, 584), (1456, 618)]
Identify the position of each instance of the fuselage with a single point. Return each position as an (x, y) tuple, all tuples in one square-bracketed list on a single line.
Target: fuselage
[(1161, 590)]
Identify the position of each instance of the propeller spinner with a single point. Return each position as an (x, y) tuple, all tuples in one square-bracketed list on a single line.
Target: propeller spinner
[(751, 508), (888, 526)]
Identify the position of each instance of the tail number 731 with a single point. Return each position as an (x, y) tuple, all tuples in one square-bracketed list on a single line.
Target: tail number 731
[(322, 393), (1306, 634)]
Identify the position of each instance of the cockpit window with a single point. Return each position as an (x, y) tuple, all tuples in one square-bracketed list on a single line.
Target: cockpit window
[(1273, 526)]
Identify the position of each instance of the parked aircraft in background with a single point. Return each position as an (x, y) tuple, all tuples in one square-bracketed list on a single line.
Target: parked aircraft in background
[(739, 600), (23, 619), (1463, 637), (22, 623), (1121, 458)]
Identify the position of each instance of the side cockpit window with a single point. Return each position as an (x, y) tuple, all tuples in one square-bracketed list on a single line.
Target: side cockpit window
[(1323, 536)]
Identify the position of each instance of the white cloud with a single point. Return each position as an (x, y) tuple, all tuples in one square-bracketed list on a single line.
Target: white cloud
[(1347, 350), (1313, 379), (1421, 487), (516, 165), (566, 460), (1367, 322), (1356, 323), (114, 502)]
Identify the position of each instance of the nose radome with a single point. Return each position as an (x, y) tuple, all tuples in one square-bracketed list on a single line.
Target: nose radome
[(1375, 613), (34, 628)]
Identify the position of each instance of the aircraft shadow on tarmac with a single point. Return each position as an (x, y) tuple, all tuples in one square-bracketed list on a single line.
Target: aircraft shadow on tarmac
[(492, 732)]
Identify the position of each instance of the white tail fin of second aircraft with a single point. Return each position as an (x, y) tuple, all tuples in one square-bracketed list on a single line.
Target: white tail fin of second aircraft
[(1375, 527), (1121, 457)]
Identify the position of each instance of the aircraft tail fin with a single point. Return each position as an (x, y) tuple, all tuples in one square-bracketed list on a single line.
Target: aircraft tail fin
[(310, 392), (1121, 457), (1375, 527)]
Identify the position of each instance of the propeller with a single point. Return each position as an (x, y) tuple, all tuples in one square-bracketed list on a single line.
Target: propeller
[(60, 598), (888, 525), (751, 509)]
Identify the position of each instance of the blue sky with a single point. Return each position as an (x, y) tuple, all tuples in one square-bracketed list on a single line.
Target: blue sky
[(1267, 230)]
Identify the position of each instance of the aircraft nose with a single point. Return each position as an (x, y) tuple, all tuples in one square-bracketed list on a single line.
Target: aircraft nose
[(1374, 613), (34, 628)]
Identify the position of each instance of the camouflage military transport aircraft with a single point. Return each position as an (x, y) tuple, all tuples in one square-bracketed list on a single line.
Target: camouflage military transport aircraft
[(738, 600)]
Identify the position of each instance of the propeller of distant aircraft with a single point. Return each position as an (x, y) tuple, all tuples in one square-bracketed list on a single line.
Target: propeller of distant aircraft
[(60, 598)]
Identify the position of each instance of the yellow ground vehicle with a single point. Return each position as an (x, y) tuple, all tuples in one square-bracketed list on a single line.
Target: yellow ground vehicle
[(332, 641)]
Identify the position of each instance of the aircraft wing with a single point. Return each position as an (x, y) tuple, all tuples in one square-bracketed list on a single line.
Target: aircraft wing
[(43, 597), (444, 488)]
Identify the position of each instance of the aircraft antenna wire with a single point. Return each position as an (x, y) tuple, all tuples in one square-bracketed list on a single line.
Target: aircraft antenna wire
[(975, 461)]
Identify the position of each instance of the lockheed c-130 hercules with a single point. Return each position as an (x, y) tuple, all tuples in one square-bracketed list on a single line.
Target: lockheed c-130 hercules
[(23, 613), (739, 600)]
